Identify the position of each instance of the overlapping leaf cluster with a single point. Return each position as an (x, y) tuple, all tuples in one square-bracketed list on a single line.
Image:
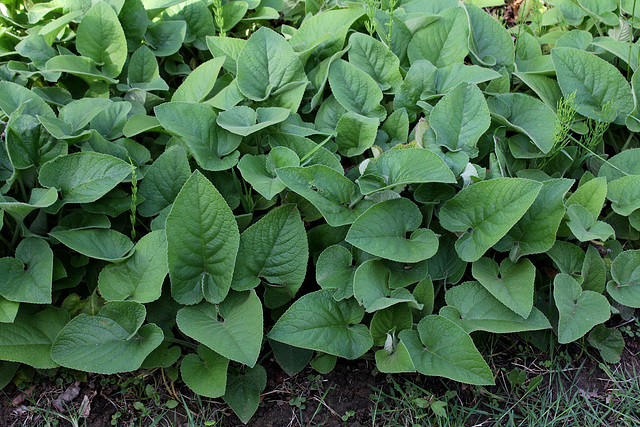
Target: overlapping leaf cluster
[(169, 194)]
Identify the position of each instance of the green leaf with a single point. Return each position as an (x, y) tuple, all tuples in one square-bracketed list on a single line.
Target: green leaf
[(324, 32), (375, 59), (291, 359), (594, 80), (203, 239), (590, 195), (274, 249), (243, 120), (624, 194), (382, 231), (205, 373), (8, 310), (98, 243), (328, 190), (163, 180), (314, 154), (260, 171), (134, 21), (609, 343), (460, 118), (195, 125), (568, 257), (622, 164), (389, 321), (7, 372), (228, 47), (141, 276), (13, 95), (165, 37), (355, 90), (268, 66), (335, 271), (83, 177), (579, 310), (593, 271), (101, 38), (489, 42), (371, 288), (199, 23), (29, 338), (395, 362), (526, 114), (324, 363), (444, 41), (39, 198), (28, 276), (536, 231), (471, 306), (199, 82), (318, 322), (233, 328), (584, 227), (512, 284), (625, 272), (420, 78), (29, 144), (356, 133), (441, 348), (80, 66), (110, 342), (243, 391), (484, 212)]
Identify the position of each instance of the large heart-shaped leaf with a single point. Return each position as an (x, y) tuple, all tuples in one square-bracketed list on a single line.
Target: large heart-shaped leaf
[(625, 286), (101, 38), (371, 288), (260, 170), (441, 348), (333, 194), (203, 240), (83, 177), (444, 41), (267, 66), (460, 118), (383, 228), (233, 328), (29, 338), (141, 276), (471, 306), (274, 249), (595, 81), (484, 212), (195, 125), (111, 342), (579, 310), (526, 114), (205, 373), (355, 90), (28, 276), (99, 243), (163, 180), (243, 391), (318, 322), (512, 284), (536, 231), (395, 168)]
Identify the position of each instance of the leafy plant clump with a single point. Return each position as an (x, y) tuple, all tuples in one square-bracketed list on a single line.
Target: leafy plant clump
[(191, 184)]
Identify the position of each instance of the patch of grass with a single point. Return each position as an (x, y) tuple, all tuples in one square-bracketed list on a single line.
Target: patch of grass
[(530, 390)]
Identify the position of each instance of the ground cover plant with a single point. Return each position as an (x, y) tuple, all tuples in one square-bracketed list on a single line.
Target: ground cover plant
[(193, 185)]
